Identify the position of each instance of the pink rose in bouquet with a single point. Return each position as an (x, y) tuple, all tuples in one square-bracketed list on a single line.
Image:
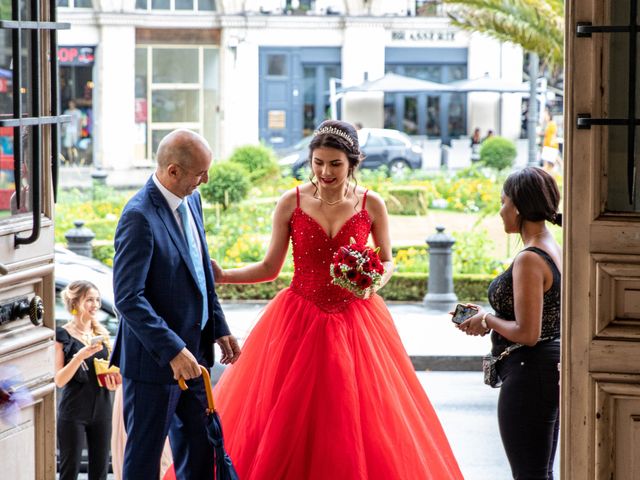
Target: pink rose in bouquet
[(357, 268)]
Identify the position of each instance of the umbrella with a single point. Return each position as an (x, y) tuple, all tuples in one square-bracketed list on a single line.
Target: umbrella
[(394, 83), (487, 84), (224, 467)]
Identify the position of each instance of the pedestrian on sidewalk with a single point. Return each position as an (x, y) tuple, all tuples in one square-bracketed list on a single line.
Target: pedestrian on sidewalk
[(525, 326)]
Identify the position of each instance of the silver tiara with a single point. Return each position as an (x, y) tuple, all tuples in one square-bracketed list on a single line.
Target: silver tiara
[(334, 131)]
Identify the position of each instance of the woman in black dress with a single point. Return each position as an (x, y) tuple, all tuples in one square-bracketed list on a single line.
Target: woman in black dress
[(526, 320), (84, 407)]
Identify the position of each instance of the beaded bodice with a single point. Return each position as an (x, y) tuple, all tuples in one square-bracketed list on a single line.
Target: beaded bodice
[(313, 251)]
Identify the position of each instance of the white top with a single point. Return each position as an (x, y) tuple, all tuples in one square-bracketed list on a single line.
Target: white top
[(174, 202)]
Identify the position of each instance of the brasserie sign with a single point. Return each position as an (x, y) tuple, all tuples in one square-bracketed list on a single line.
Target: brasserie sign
[(424, 35)]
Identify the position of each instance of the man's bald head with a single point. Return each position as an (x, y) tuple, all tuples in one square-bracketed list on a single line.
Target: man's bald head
[(184, 158), (180, 147)]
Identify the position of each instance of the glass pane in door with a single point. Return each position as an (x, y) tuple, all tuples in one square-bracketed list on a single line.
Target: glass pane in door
[(616, 63), (309, 96), (433, 116), (410, 121)]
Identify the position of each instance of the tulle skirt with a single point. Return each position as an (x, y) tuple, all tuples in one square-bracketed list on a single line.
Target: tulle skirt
[(329, 396)]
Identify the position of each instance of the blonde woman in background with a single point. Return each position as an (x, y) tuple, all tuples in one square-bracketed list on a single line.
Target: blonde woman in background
[(84, 408)]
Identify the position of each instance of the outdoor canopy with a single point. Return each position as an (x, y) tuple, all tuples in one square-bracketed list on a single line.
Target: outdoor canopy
[(394, 83), (487, 84)]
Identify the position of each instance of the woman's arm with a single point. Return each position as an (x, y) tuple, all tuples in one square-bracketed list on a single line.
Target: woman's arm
[(64, 373), (270, 266), (528, 292), (380, 233)]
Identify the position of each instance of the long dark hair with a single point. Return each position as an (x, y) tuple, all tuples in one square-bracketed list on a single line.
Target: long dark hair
[(535, 194)]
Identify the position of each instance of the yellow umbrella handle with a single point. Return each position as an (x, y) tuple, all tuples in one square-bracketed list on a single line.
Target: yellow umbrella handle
[(207, 387)]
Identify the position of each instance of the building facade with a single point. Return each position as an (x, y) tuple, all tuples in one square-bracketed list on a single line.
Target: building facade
[(247, 71)]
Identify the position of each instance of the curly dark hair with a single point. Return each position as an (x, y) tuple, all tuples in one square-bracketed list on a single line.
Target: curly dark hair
[(535, 194), (332, 140)]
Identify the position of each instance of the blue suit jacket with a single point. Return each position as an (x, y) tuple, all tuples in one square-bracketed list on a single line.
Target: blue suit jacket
[(156, 291)]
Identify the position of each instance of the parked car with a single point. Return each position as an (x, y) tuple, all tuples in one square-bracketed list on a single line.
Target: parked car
[(381, 146)]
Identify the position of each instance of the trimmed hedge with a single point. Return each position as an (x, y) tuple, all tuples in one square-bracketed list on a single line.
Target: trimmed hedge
[(408, 287), (403, 286)]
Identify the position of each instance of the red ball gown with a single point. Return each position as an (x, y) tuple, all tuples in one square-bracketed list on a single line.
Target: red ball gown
[(324, 389)]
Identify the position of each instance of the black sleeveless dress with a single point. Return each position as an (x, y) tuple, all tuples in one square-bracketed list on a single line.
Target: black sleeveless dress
[(501, 300)]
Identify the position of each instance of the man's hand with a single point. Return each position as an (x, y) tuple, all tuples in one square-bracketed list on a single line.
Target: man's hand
[(185, 365), (230, 349)]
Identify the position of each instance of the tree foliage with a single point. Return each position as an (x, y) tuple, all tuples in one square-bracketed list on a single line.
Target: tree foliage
[(536, 25)]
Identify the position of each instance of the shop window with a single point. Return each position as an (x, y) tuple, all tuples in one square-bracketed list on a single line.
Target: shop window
[(175, 87), (276, 65), (433, 116), (175, 65), (315, 88), (175, 105), (76, 100)]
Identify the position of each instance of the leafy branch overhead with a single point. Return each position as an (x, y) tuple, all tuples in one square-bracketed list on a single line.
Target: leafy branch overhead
[(536, 25)]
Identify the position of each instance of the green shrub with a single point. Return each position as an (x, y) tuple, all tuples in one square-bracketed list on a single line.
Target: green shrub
[(104, 251), (498, 153), (473, 253), (228, 183), (258, 160)]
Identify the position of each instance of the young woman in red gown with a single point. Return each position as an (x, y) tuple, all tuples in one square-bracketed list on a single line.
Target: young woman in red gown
[(324, 388)]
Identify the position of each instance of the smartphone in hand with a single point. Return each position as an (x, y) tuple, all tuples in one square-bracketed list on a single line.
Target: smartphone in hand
[(95, 340), (463, 312)]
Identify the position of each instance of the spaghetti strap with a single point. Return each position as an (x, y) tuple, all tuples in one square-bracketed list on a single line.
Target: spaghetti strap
[(297, 197), (364, 199)]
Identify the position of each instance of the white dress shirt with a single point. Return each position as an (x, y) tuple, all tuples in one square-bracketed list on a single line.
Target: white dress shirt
[(174, 202)]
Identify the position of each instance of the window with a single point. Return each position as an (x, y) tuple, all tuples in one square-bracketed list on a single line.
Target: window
[(176, 87), (277, 65), (29, 126), (74, 3), (178, 5)]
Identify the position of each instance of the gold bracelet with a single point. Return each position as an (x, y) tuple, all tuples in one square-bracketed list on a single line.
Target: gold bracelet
[(483, 322)]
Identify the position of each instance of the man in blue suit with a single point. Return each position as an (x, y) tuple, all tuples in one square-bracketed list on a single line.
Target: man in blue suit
[(170, 316)]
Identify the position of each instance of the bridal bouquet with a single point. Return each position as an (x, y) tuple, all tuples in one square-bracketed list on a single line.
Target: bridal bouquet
[(356, 267)]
